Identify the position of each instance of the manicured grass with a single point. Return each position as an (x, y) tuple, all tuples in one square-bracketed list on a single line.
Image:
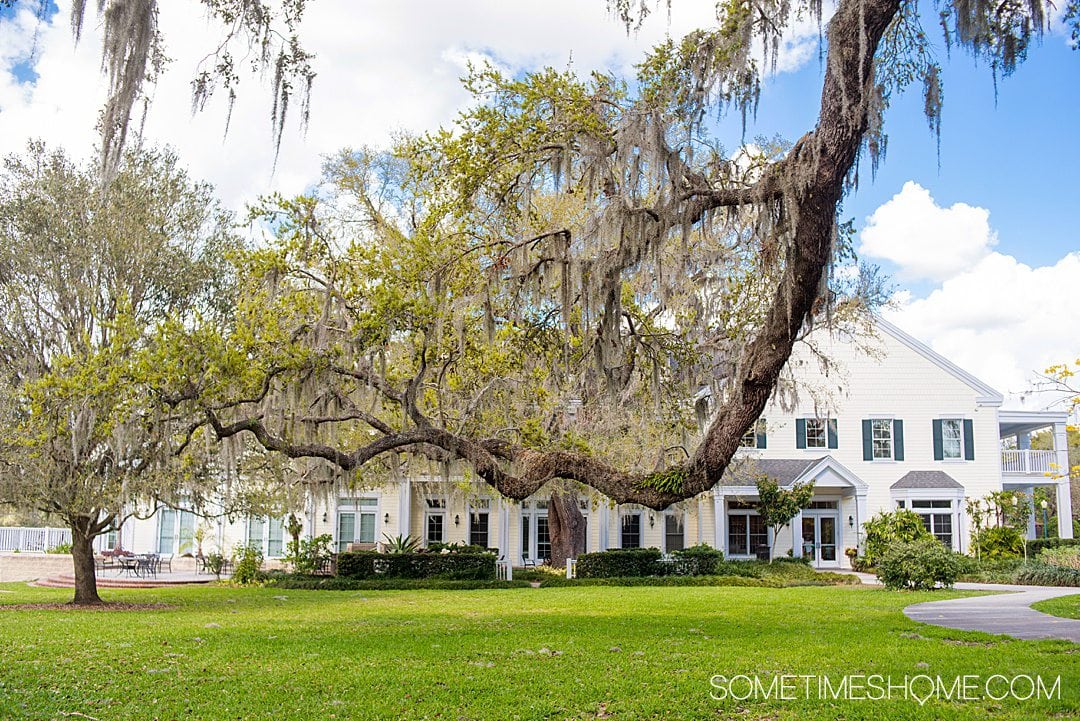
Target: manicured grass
[(1066, 606), (558, 653)]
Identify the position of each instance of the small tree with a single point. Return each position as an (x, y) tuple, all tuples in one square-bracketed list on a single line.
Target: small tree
[(85, 273), (778, 505)]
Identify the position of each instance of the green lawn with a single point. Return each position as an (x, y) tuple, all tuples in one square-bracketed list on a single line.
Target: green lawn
[(1066, 606), (621, 653)]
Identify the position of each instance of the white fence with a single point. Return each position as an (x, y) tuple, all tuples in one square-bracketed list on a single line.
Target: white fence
[(30, 540), (1041, 462)]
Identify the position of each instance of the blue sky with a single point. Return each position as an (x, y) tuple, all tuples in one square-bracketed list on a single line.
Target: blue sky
[(984, 251)]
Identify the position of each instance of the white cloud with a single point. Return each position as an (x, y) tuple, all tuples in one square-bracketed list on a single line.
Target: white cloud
[(998, 318), (382, 68), (925, 240)]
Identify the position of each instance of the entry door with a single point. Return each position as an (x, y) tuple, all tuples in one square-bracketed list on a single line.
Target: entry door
[(820, 539)]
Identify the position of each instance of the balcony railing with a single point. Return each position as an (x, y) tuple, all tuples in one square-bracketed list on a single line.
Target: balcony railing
[(1030, 462)]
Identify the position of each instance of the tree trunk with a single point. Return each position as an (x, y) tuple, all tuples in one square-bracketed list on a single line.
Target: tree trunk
[(82, 554), (566, 528)]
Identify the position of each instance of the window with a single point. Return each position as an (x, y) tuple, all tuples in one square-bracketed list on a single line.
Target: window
[(435, 521), (535, 539), (937, 518), (754, 436), (631, 530), (356, 521), (816, 436), (256, 528), (478, 522), (674, 535), (746, 531), (954, 439), (883, 438), (275, 538), (815, 433)]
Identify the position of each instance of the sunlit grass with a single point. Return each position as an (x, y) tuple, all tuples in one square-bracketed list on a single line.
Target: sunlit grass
[(233, 653)]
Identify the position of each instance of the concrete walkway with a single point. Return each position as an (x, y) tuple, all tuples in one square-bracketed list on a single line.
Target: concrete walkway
[(1009, 612)]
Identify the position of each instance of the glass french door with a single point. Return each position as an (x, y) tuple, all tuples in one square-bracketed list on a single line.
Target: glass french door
[(819, 534)]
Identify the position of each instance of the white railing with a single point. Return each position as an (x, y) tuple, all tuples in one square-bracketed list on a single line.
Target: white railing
[(571, 568), (30, 540), (1041, 462), (503, 570)]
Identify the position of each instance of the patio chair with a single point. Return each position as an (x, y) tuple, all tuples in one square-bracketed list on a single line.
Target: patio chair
[(164, 560)]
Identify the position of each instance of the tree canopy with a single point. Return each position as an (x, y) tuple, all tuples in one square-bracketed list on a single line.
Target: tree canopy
[(539, 291), (85, 275)]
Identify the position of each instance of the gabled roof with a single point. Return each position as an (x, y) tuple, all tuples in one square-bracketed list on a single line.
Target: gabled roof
[(744, 472), (925, 479), (987, 395)]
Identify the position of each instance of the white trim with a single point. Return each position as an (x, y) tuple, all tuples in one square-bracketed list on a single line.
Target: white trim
[(988, 396)]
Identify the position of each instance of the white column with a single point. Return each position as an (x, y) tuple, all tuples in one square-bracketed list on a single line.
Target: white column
[(404, 523), (796, 535), (862, 515), (1030, 493), (718, 522), (504, 526), (604, 513), (1064, 493)]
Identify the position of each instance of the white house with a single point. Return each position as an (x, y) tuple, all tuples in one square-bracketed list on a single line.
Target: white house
[(897, 427)]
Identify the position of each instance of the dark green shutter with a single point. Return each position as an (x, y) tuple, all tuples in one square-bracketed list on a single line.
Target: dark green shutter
[(898, 439), (969, 440), (761, 437), (831, 425), (800, 433), (939, 446), (867, 440)]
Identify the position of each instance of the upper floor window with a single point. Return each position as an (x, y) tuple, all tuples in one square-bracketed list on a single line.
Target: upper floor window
[(754, 436), (883, 439), (815, 433), (954, 439)]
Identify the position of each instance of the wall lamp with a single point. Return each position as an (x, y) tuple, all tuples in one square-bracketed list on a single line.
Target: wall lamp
[(851, 521), (457, 520), (324, 517), (386, 518), (652, 520)]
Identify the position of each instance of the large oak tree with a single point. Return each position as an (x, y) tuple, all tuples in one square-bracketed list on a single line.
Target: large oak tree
[(535, 293)]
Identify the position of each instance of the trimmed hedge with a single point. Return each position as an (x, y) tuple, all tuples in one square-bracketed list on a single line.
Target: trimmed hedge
[(334, 583), (700, 560), (1039, 544), (619, 562), (366, 565)]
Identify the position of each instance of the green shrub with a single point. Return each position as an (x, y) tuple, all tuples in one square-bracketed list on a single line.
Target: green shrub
[(997, 542), (1041, 574), (1040, 544), (620, 562), (311, 554), (1063, 556), (337, 583), (886, 529), (918, 565), (457, 566), (60, 548), (456, 547), (700, 560), (249, 560)]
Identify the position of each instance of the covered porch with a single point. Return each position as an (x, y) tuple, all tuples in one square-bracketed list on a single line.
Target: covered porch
[(1024, 468), (821, 531)]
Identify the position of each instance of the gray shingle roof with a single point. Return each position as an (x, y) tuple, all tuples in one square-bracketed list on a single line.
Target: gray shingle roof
[(745, 471), (926, 479)]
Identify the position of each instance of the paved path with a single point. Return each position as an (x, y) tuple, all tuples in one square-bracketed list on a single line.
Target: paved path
[(1007, 613)]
